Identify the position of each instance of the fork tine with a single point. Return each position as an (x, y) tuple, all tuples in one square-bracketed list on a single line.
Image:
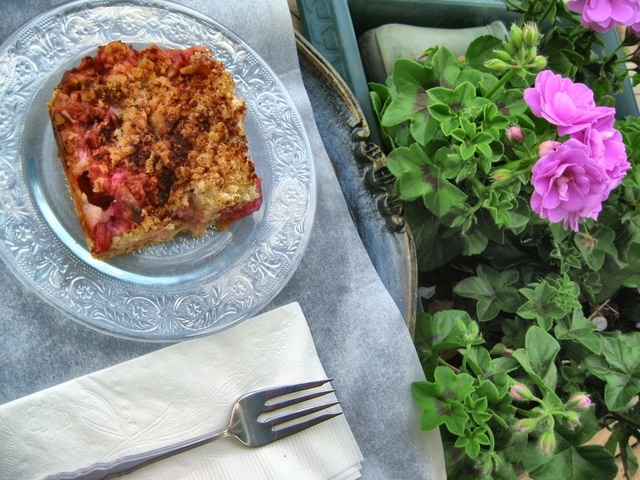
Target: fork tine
[(298, 427), (300, 413), (285, 403), (276, 392)]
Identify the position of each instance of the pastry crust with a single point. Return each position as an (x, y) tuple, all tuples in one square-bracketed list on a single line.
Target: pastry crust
[(152, 143)]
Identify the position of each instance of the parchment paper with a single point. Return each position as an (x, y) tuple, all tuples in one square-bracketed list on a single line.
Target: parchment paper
[(359, 333)]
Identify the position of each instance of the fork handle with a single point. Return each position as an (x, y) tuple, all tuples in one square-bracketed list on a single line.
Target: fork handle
[(130, 463)]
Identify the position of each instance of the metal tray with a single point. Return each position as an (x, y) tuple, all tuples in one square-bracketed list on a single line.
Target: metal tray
[(364, 178)]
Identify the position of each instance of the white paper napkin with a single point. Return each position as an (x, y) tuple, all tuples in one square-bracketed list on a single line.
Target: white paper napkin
[(176, 393)]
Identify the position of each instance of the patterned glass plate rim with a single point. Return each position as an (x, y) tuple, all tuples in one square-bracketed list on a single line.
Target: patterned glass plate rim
[(182, 289)]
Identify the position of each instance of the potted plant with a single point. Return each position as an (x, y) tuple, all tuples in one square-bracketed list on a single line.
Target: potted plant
[(521, 188)]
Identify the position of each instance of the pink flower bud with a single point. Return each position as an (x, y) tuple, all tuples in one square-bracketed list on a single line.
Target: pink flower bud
[(579, 402), (548, 442), (572, 418), (520, 392), (514, 134), (502, 175), (547, 147), (526, 425)]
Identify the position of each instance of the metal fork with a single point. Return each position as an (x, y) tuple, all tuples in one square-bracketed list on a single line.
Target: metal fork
[(244, 425)]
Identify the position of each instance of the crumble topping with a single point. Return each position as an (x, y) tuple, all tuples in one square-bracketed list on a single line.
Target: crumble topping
[(153, 143)]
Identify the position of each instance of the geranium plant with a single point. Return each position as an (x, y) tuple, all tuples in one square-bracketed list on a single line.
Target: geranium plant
[(521, 188)]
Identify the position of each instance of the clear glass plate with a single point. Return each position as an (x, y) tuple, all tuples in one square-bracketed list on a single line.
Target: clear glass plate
[(184, 288)]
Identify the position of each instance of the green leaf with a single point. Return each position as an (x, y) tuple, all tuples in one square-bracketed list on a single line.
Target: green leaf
[(492, 290), (520, 215), (471, 441), (594, 246), (629, 460), (626, 359), (410, 105), (620, 369), (558, 231), (442, 331), (445, 116), (457, 99), (479, 360), (408, 102), (541, 305), (469, 75), (467, 171), (418, 175), (502, 365), (571, 458), (474, 243), (538, 358), (579, 330), (514, 330), (403, 160), (510, 103), (629, 275), (456, 385), (488, 390), (445, 67), (477, 408), (543, 349), (480, 50), (570, 461), (515, 448), (573, 374), (435, 246), (590, 285), (442, 196), (442, 399), (407, 72), (423, 392), (436, 412), (485, 149), (423, 128), (487, 225), (493, 123)]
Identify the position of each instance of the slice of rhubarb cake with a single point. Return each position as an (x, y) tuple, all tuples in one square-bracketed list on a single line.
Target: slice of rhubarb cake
[(152, 143)]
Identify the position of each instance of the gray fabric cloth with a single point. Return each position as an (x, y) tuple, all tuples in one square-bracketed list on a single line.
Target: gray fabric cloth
[(359, 333)]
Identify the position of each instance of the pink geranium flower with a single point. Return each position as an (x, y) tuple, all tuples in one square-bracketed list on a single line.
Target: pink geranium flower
[(603, 15), (607, 147), (561, 102), (569, 185)]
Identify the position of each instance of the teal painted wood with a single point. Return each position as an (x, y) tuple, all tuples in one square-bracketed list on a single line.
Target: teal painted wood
[(328, 26)]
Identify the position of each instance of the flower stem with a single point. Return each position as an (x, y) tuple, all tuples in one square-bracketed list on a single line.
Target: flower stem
[(477, 186), (526, 413), (625, 419), (505, 78), (463, 367), (615, 53), (445, 364)]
